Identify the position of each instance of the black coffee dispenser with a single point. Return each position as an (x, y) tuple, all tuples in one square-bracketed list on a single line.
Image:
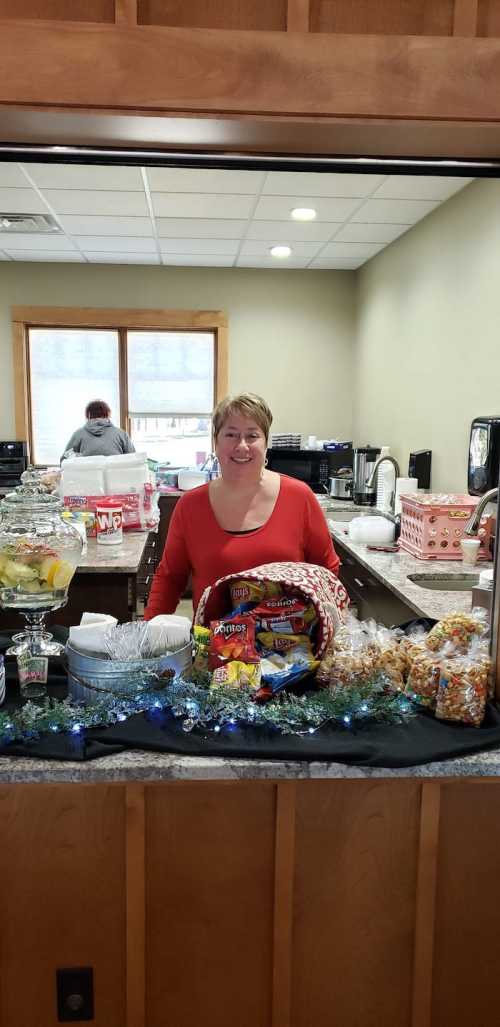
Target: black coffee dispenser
[(484, 455), (365, 458)]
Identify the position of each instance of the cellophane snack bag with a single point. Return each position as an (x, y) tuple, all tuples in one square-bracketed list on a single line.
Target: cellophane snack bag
[(425, 672), (458, 628), (463, 685)]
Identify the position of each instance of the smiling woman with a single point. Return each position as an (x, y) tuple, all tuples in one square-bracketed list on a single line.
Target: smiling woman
[(247, 517)]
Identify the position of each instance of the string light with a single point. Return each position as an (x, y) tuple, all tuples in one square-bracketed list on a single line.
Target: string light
[(211, 709)]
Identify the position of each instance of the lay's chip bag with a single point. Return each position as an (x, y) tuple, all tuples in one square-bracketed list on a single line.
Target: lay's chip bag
[(247, 591)]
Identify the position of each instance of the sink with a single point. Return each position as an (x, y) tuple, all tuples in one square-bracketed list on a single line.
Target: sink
[(445, 582)]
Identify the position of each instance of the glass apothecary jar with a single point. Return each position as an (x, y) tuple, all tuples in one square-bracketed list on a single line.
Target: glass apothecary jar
[(39, 553)]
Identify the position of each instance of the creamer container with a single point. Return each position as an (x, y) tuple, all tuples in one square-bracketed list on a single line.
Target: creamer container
[(109, 522)]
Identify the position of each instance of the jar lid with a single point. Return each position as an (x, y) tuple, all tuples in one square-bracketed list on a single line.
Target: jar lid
[(30, 495)]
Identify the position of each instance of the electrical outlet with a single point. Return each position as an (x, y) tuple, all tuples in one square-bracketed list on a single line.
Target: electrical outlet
[(75, 994)]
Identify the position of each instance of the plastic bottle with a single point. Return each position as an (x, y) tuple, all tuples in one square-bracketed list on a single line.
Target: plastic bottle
[(386, 482)]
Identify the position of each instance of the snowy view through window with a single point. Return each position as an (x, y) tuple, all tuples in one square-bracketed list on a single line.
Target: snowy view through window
[(170, 389)]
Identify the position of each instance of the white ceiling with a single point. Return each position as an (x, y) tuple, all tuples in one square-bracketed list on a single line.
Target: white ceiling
[(211, 218)]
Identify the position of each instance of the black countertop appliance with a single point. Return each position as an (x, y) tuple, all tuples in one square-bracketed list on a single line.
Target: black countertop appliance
[(314, 466), (484, 455), (13, 461), (365, 458)]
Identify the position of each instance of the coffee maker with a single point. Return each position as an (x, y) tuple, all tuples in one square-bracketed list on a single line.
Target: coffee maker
[(365, 458), (484, 455)]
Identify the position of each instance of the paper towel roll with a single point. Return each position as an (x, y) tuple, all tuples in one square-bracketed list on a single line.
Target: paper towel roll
[(404, 485)]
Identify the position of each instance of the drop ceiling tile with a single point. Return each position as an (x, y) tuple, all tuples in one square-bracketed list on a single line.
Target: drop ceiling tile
[(201, 205), (92, 202), (201, 228), (293, 183), (112, 226), (204, 180), (300, 250), (399, 212), (349, 251), (420, 187), (336, 264), (98, 257), (32, 241), (115, 244), (228, 247), (10, 175), (279, 208), (83, 177), (197, 260), (272, 262), (47, 256), (21, 201), (291, 231), (357, 232)]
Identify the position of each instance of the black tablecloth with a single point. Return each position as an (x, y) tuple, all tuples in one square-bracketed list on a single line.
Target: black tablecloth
[(422, 739)]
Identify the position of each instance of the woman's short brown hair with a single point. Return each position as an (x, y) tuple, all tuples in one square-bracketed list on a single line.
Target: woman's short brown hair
[(97, 408), (247, 404)]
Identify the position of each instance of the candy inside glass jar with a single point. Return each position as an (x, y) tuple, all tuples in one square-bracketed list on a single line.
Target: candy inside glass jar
[(39, 554)]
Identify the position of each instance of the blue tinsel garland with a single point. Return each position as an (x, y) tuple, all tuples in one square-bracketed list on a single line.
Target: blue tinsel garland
[(212, 709)]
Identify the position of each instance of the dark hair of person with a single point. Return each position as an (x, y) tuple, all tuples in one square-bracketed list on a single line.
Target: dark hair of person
[(97, 408)]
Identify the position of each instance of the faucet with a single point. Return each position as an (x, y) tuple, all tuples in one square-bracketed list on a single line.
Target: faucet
[(372, 480), (471, 528)]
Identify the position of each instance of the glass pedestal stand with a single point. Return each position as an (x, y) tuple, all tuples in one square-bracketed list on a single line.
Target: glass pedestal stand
[(35, 640), (34, 643)]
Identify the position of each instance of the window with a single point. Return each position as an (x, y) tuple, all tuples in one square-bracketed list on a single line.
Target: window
[(161, 380)]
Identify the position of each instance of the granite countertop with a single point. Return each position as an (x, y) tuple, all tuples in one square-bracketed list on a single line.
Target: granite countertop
[(149, 766), (392, 569), (123, 558)]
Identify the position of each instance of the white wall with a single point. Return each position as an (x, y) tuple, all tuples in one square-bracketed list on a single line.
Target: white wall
[(290, 332), (428, 335)]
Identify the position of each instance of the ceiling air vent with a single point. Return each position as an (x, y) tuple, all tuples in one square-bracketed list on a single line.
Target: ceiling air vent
[(28, 223)]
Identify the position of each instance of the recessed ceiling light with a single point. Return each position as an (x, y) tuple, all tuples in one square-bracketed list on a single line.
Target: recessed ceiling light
[(281, 252), (303, 213)]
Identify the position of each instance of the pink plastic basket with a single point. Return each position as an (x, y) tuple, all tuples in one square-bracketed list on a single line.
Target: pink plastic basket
[(431, 529)]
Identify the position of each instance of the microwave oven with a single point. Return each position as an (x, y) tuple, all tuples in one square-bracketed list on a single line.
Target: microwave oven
[(313, 466)]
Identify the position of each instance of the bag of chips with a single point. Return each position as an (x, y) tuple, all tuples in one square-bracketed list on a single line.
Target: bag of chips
[(274, 641), (237, 674), (282, 669), (201, 641), (232, 639), (244, 591)]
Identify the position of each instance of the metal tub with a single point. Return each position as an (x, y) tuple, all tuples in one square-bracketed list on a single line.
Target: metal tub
[(88, 676)]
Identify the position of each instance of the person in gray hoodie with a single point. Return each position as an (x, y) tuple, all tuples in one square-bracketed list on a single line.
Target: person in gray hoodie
[(98, 436)]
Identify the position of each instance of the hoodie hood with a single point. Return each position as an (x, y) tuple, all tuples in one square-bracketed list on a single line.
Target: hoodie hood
[(97, 426)]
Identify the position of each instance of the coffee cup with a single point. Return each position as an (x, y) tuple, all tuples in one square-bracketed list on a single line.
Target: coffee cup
[(470, 550)]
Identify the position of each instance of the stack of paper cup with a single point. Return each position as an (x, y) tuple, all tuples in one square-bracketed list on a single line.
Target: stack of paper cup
[(404, 485)]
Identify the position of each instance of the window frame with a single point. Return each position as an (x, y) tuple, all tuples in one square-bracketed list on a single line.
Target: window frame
[(121, 320)]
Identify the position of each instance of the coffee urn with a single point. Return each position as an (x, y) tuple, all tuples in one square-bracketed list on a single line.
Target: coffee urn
[(365, 458)]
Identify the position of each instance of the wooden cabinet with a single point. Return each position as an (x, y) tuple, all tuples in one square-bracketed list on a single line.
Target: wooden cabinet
[(338, 903)]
